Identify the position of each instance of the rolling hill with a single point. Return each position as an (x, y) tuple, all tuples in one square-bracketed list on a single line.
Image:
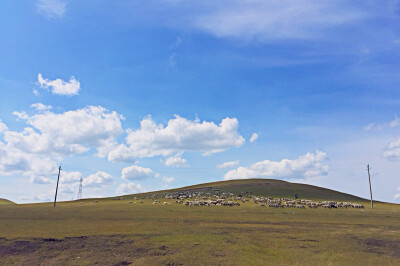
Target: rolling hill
[(126, 231), (269, 188), (5, 201)]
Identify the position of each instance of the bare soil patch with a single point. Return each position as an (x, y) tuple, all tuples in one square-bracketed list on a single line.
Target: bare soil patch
[(109, 250)]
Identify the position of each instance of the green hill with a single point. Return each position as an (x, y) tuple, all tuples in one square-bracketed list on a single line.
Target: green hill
[(269, 188), (4, 201)]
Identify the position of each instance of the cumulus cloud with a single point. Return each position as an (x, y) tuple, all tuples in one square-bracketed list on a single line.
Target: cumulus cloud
[(21, 115), (3, 127), (307, 165), (178, 135), (121, 153), (135, 172), (70, 132), (130, 188), (97, 180), (70, 177), (52, 8), (49, 136), (15, 161), (392, 151), (227, 164), (176, 161), (59, 86), (41, 107), (40, 180), (253, 137)]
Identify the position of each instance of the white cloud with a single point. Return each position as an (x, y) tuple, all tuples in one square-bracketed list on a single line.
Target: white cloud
[(3, 127), (176, 161), (15, 161), (40, 180), (392, 151), (99, 179), (130, 188), (168, 180), (121, 154), (397, 196), (227, 164), (70, 177), (36, 92), (277, 20), (392, 124), (71, 132), (307, 165), (52, 8), (41, 107), (253, 137), (178, 135), (39, 198), (21, 115), (68, 188), (135, 172), (59, 86), (33, 152)]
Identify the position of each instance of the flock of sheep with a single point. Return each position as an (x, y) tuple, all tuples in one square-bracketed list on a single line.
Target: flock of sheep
[(217, 198)]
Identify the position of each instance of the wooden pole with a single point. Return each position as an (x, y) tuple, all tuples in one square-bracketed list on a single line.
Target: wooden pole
[(370, 189), (58, 179)]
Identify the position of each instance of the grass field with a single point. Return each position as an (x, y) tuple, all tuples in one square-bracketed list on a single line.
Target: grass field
[(112, 232), (4, 201)]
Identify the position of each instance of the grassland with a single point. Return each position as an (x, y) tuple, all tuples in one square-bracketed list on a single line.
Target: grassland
[(5, 201), (112, 232)]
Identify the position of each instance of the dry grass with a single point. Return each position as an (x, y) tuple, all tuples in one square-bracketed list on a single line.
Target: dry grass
[(114, 232), (5, 201)]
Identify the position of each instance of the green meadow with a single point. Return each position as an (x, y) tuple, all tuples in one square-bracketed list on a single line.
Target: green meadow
[(115, 231)]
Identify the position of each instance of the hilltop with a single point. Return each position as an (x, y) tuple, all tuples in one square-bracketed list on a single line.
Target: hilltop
[(266, 187)]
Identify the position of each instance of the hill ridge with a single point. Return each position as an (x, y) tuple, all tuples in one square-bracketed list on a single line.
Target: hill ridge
[(6, 201), (265, 187)]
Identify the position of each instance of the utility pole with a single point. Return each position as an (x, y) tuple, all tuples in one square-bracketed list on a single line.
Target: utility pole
[(58, 179), (370, 189)]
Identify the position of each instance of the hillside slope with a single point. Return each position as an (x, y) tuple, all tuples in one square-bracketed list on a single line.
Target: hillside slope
[(269, 188), (5, 201)]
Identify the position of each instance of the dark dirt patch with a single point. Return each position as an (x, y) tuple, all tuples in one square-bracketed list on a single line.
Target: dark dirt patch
[(122, 263), (51, 240), (308, 240), (103, 250), (171, 264), (380, 246)]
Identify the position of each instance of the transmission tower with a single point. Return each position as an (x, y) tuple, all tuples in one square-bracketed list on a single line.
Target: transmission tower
[(80, 190)]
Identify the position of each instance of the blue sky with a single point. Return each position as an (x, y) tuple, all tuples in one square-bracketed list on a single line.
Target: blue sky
[(142, 95)]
